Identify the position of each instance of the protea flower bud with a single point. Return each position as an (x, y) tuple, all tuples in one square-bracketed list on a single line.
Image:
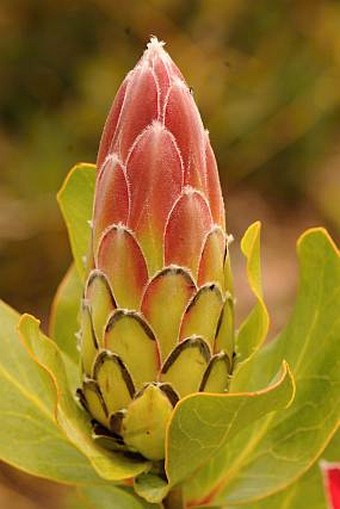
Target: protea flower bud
[(156, 315)]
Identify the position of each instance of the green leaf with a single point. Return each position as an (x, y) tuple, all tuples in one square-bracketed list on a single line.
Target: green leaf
[(254, 329), (277, 450), (307, 491), (106, 497), (151, 487), (30, 439), (72, 419), (64, 323), (75, 199), (203, 423)]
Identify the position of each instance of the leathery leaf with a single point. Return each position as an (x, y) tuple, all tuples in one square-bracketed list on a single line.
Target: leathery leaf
[(75, 199), (73, 421), (203, 423), (27, 415), (255, 327), (272, 454)]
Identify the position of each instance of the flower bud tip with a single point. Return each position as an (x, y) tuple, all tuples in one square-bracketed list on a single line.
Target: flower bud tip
[(155, 45)]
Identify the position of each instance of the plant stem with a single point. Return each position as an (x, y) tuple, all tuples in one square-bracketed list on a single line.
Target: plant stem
[(174, 499)]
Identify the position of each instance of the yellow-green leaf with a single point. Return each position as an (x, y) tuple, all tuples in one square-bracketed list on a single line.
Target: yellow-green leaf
[(308, 491), (71, 418), (151, 487), (106, 497), (274, 452), (30, 439), (254, 329), (64, 317), (75, 199), (203, 423)]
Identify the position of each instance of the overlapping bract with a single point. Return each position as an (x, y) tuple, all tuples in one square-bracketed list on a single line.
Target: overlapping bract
[(157, 318)]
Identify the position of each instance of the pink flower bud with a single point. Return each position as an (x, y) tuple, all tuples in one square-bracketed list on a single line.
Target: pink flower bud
[(156, 317), (157, 173)]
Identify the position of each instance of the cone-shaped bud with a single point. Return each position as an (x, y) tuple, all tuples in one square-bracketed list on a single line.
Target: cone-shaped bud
[(157, 315)]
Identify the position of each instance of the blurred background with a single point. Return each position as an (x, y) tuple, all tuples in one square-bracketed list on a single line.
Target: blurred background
[(266, 77)]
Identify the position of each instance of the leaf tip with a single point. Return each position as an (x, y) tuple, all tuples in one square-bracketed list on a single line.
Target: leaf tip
[(69, 175), (314, 232), (27, 319), (250, 236), (286, 372)]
